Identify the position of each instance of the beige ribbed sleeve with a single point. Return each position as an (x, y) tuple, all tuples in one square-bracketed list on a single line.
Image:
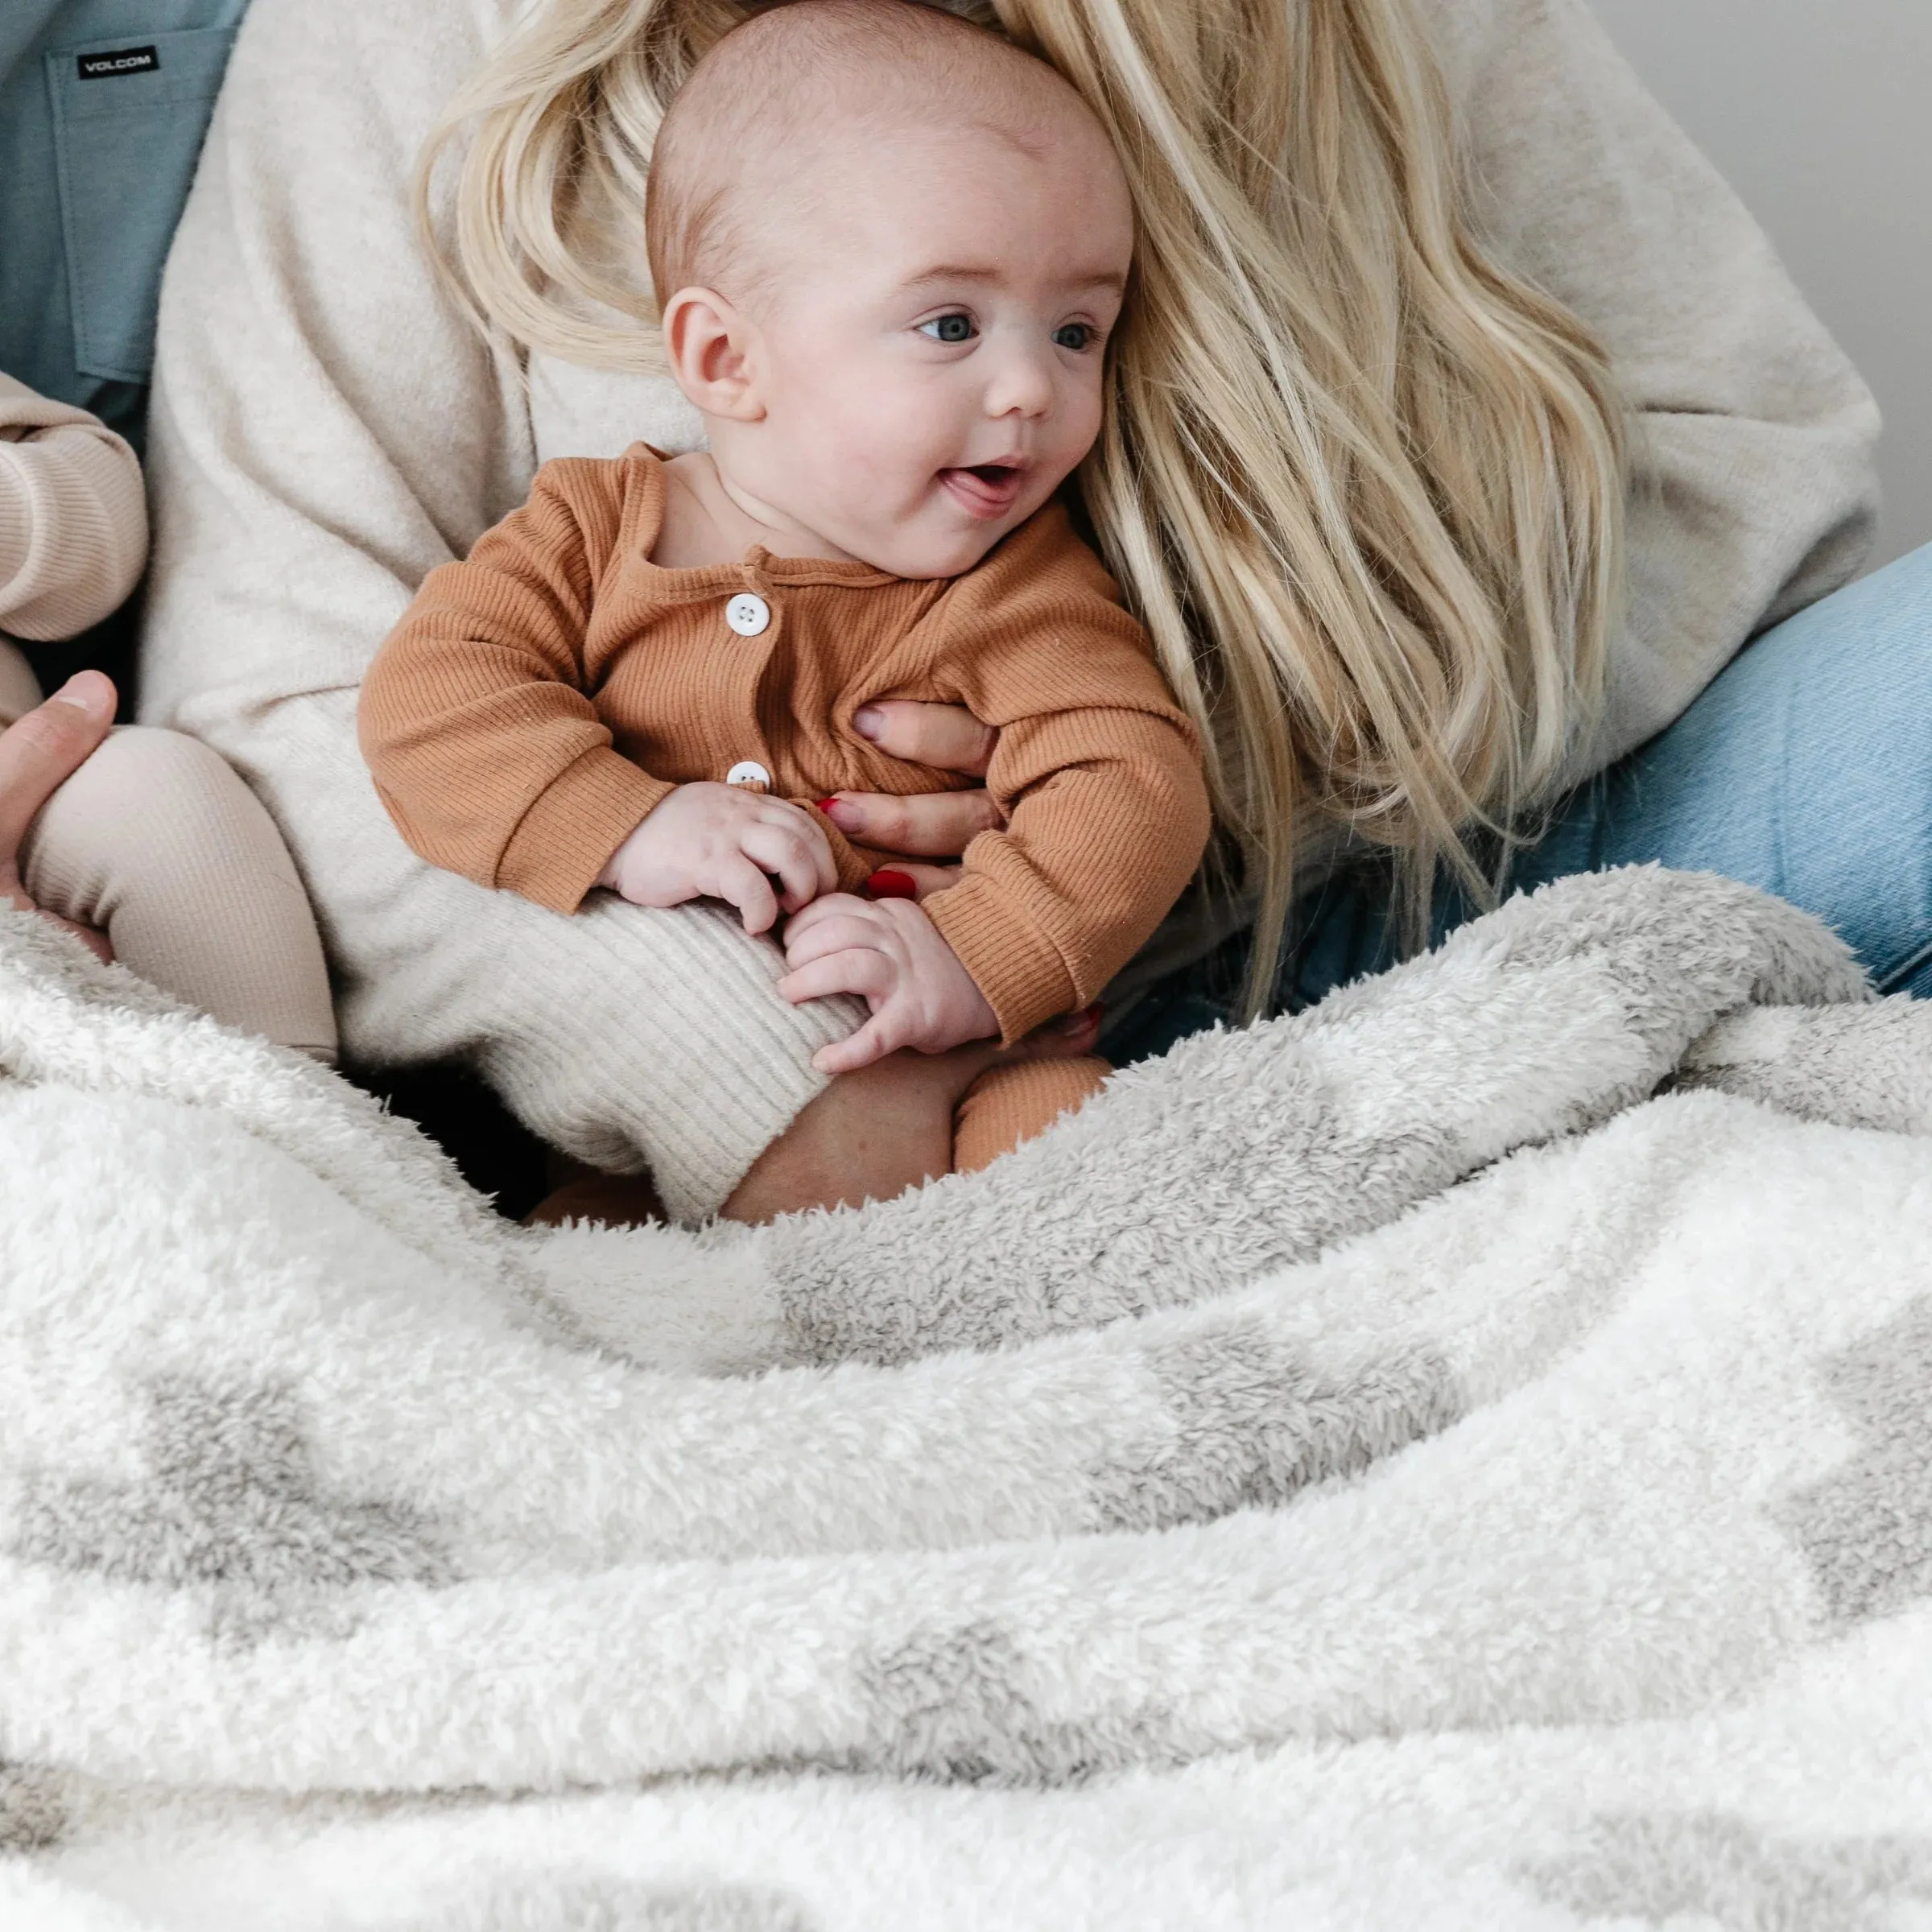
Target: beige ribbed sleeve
[(73, 518)]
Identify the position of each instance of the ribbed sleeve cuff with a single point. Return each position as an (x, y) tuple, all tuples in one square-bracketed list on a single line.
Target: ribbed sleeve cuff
[(16, 530), (1019, 970), (577, 822)]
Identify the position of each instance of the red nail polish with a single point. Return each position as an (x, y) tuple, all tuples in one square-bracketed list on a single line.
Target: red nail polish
[(892, 884), (825, 805)]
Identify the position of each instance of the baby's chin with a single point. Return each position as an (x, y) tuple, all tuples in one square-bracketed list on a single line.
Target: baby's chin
[(922, 552)]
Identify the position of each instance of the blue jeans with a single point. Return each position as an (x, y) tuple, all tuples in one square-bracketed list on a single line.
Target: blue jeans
[(1806, 768)]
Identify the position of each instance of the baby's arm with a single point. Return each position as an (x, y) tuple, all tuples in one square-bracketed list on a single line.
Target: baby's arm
[(1108, 815), (489, 752), (73, 517), (475, 720), (1097, 774)]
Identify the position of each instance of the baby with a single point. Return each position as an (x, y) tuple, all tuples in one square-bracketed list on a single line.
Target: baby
[(155, 852), (892, 247)]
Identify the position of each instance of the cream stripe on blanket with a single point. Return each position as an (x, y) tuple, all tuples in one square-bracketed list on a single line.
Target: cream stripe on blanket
[(1379, 1468)]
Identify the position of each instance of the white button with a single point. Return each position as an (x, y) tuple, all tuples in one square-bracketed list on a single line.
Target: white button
[(747, 614), (747, 771)]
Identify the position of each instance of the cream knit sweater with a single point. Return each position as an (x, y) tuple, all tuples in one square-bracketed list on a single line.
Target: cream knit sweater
[(326, 430)]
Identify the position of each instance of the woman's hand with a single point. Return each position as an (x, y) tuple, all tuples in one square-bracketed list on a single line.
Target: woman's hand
[(932, 825), (38, 753)]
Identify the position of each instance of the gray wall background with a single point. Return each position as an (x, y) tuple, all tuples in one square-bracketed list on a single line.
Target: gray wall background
[(1819, 113)]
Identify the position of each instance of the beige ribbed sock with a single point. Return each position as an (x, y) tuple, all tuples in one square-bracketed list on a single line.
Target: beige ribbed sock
[(155, 841)]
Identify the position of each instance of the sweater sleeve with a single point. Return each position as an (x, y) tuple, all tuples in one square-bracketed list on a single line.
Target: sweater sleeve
[(485, 745), (73, 518), (1753, 491), (1097, 773)]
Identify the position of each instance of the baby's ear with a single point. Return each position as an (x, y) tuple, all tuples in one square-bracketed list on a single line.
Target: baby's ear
[(707, 342)]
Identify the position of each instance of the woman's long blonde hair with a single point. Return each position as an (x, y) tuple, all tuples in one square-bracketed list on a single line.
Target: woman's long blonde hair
[(1363, 487)]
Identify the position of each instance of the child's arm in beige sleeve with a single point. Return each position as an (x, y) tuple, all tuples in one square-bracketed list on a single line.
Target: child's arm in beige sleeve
[(484, 743), (1098, 773), (73, 517)]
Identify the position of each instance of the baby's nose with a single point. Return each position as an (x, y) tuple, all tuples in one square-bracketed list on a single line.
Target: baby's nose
[(1022, 387)]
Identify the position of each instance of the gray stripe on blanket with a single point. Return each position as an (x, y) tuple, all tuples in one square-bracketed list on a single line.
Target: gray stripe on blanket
[(1704, 1867), (35, 1807), (545, 1901), (952, 1701), (1867, 1528), (1251, 1423), (231, 1504)]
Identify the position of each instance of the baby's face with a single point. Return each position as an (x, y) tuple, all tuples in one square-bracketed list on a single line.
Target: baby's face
[(928, 356)]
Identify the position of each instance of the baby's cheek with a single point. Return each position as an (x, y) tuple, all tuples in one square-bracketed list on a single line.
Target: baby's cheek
[(908, 438), (1076, 428)]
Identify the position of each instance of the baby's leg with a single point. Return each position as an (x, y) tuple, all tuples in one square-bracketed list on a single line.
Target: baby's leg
[(871, 1134), (158, 843), (1011, 1103)]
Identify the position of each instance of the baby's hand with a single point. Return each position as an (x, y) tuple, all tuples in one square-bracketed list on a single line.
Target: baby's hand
[(889, 953), (720, 842)]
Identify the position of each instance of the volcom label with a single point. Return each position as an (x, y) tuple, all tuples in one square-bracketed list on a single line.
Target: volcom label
[(122, 60)]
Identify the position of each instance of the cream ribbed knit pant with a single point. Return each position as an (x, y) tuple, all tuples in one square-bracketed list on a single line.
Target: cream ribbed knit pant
[(157, 843)]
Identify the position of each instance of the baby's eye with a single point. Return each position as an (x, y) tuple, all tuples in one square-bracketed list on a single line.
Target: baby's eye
[(949, 328), (1073, 335)]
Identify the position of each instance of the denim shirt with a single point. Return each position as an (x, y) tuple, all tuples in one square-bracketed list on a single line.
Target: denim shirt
[(103, 105)]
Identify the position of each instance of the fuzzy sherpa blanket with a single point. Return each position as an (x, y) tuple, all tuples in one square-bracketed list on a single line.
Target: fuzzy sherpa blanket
[(1462, 1457)]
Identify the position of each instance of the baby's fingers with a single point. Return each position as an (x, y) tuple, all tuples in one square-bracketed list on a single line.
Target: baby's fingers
[(742, 884), (844, 932), (856, 969), (873, 1041), (780, 851)]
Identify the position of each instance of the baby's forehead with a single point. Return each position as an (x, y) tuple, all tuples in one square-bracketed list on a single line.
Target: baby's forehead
[(898, 196), (872, 108), (816, 102)]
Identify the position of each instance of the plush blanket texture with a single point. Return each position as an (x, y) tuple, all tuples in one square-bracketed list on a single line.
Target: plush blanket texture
[(1462, 1457)]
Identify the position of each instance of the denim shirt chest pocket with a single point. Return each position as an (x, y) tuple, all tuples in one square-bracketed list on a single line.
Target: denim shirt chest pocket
[(129, 117)]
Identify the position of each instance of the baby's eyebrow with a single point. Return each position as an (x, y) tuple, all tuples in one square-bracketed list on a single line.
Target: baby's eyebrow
[(967, 272)]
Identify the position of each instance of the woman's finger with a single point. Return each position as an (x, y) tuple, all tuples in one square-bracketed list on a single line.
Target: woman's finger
[(946, 737), (745, 886), (932, 825), (40, 751), (857, 969), (925, 880)]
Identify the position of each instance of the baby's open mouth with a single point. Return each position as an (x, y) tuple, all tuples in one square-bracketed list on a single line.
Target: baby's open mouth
[(987, 490)]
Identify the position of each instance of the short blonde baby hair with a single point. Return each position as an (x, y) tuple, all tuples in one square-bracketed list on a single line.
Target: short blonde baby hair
[(745, 122)]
